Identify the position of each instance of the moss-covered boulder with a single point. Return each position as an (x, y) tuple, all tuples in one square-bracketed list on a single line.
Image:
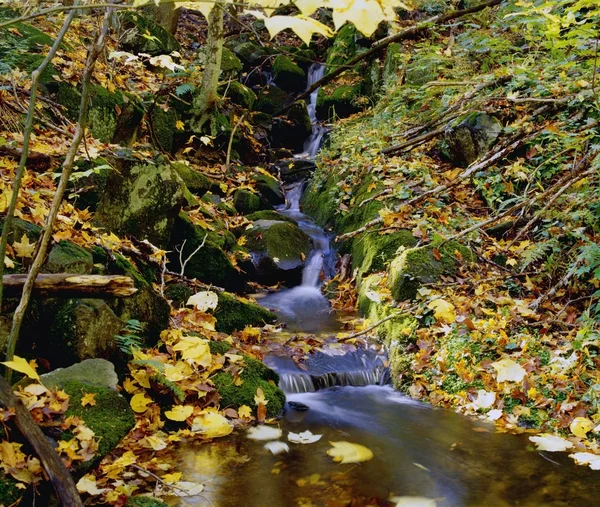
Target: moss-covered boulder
[(195, 181), (272, 99), (145, 501), (269, 188), (269, 215), (88, 183), (20, 228), (178, 294), (239, 94), (471, 136), (249, 53), (231, 65), (427, 67), (290, 131), (372, 251), (288, 75), (111, 418), (254, 375), (339, 100), (343, 48), (247, 202), (394, 59), (97, 372), (143, 201), (141, 34), (210, 264), (67, 257), (163, 123), (278, 250), (425, 264), (233, 314)]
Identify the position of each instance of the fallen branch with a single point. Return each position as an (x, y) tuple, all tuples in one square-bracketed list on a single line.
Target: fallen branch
[(61, 479), (415, 141), (71, 285), (370, 328), (383, 43)]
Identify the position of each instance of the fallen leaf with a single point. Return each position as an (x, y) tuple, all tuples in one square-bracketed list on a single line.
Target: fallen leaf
[(581, 426), (442, 310), (24, 248), (264, 433), (204, 300), (87, 484), (22, 366), (139, 402), (88, 399), (277, 447), (587, 458), (211, 425), (413, 501), (509, 371), (347, 452), (305, 437), (179, 412), (550, 443)]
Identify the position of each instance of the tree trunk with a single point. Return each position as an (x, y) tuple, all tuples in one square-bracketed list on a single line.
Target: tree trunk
[(166, 15), (204, 102), (70, 285)]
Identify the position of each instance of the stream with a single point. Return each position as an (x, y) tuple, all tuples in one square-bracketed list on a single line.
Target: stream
[(418, 450)]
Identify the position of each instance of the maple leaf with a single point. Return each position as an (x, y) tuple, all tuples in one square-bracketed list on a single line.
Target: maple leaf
[(587, 458), (211, 424), (442, 310), (245, 412), (305, 437), (347, 452), (88, 399), (551, 443), (87, 484), (24, 248), (22, 366), (203, 301), (264, 433), (581, 426), (509, 371), (179, 412), (277, 447)]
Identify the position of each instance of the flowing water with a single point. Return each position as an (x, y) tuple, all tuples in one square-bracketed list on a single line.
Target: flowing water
[(418, 450), (313, 143)]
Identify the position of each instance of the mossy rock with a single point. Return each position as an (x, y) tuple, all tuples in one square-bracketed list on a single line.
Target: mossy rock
[(277, 249), (247, 202), (97, 372), (239, 94), (471, 136), (269, 215), (195, 181), (88, 183), (338, 100), (67, 257), (288, 75), (143, 201), (232, 314), (219, 347), (163, 124), (254, 375), (371, 252), (111, 418), (425, 68), (269, 188), (143, 35), (19, 228), (425, 264), (394, 58), (231, 65), (290, 131), (250, 53), (343, 49), (145, 501), (178, 294), (210, 264), (272, 99)]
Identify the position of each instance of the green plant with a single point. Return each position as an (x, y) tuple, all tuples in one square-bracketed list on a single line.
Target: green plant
[(129, 339)]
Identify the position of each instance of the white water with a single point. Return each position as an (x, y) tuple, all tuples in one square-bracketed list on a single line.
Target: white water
[(313, 143)]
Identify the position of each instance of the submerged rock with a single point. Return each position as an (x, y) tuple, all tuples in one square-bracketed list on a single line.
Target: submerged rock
[(471, 136), (278, 250)]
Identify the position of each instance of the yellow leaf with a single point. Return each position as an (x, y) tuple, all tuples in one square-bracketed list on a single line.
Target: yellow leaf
[(245, 412), (581, 426), (139, 402), (304, 27), (509, 371), (179, 125), (259, 398), (587, 458), (195, 349), (24, 248), (203, 301), (87, 484), (442, 310), (88, 399), (550, 443), (223, 187), (22, 366), (211, 425), (179, 412), (172, 477), (347, 452)]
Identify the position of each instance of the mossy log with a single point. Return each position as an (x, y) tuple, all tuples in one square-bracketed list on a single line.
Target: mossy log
[(70, 285)]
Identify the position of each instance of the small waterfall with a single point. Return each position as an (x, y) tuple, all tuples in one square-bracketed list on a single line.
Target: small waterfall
[(313, 143), (323, 370)]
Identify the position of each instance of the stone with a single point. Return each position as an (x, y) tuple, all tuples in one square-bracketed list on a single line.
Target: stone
[(195, 181), (471, 136), (371, 252), (278, 250), (135, 27), (141, 200), (231, 65), (339, 100), (96, 372), (247, 202), (250, 53), (269, 188), (232, 314), (239, 94), (272, 99), (67, 257), (291, 170), (269, 215), (290, 131), (164, 127), (145, 501), (288, 75)]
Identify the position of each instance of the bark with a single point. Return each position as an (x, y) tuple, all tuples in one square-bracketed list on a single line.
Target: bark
[(204, 102), (70, 285), (166, 15)]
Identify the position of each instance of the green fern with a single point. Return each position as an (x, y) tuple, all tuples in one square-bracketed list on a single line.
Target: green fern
[(538, 251), (159, 378)]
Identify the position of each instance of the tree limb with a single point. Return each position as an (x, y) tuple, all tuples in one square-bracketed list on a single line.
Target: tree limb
[(72, 285)]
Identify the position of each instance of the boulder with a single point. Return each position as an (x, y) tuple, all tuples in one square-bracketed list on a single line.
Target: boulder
[(233, 314), (372, 252), (247, 202), (269, 188), (343, 48), (141, 200), (290, 131), (67, 257), (239, 94), (278, 250), (426, 264), (249, 53), (195, 181), (288, 75), (88, 183), (96, 372), (143, 35), (471, 136), (339, 100), (164, 126), (231, 65), (272, 99), (291, 170), (269, 215)]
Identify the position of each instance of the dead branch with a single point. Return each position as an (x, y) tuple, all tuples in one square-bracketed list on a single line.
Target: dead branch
[(415, 141), (71, 285)]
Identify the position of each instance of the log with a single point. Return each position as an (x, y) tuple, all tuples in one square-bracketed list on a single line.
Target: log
[(61, 479), (72, 285)]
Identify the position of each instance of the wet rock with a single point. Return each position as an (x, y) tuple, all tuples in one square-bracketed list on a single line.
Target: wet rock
[(141, 200), (288, 75), (269, 215), (239, 94), (195, 181), (247, 202), (135, 40), (231, 65), (232, 314), (290, 131), (292, 170), (339, 100), (372, 251), (249, 53), (278, 250), (272, 99), (299, 407), (96, 372), (471, 136), (269, 188), (164, 126), (67, 257)]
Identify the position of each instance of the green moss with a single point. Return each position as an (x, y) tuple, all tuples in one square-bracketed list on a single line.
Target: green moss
[(268, 186), (110, 419), (282, 240), (269, 215), (272, 100), (22, 227), (196, 182), (230, 63), (288, 75), (163, 127), (123, 266), (339, 100), (142, 35), (219, 347), (233, 314), (254, 375), (371, 252), (239, 94), (9, 493), (393, 59), (145, 501), (178, 293), (247, 202), (67, 257), (422, 265), (249, 52), (343, 48)]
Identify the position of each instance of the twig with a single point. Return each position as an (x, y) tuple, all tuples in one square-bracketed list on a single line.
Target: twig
[(35, 79), (415, 141), (230, 144), (370, 328), (183, 263), (385, 191), (450, 83), (67, 167)]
